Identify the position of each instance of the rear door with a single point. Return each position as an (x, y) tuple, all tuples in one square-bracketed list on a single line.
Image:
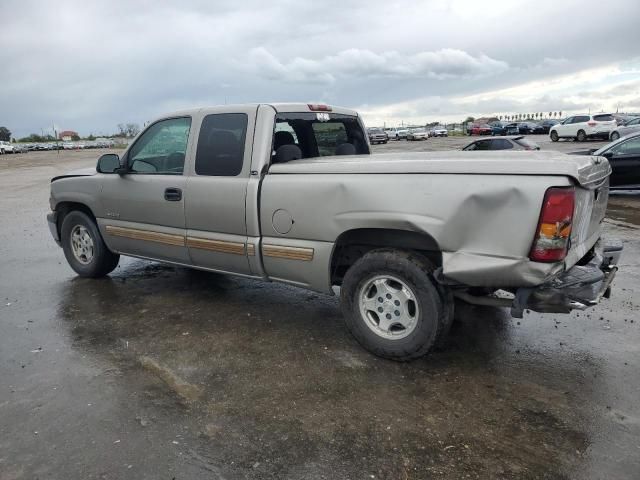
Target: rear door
[(216, 206)]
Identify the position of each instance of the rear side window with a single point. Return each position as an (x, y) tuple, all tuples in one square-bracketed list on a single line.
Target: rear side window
[(501, 144), (221, 144), (604, 118), (580, 119)]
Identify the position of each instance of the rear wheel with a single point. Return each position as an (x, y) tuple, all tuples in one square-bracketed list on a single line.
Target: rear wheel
[(615, 136), (554, 136), (581, 136), (392, 306), (84, 248)]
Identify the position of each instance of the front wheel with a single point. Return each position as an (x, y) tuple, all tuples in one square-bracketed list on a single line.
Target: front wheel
[(84, 248), (391, 304), (554, 136)]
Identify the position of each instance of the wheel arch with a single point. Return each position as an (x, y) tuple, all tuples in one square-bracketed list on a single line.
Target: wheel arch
[(355, 243), (66, 207)]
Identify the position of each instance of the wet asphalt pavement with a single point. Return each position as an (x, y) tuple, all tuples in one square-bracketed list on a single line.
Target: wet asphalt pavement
[(158, 372)]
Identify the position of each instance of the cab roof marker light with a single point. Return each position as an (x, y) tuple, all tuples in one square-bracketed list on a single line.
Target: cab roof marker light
[(319, 107)]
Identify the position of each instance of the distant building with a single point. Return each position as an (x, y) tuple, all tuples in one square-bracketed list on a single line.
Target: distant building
[(67, 135)]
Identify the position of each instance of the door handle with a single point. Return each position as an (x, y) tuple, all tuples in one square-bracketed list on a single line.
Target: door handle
[(173, 194)]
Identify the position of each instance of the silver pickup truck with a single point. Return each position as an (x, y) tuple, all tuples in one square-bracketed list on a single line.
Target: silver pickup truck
[(290, 193)]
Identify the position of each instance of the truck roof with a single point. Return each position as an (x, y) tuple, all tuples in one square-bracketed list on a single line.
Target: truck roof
[(278, 107)]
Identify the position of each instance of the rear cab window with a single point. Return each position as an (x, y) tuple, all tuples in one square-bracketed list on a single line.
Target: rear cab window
[(318, 135), (604, 118)]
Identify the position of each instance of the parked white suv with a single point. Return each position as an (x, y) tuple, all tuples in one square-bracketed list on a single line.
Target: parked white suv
[(5, 147), (581, 127)]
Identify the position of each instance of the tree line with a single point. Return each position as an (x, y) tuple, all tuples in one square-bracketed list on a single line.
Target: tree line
[(124, 130)]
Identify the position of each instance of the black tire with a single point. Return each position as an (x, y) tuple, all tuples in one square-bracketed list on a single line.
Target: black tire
[(416, 272), (385, 142), (615, 136), (581, 136), (554, 136), (102, 261)]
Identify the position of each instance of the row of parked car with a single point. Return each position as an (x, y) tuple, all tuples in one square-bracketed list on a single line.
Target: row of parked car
[(623, 154), (581, 127), (7, 147), (380, 135), (511, 128)]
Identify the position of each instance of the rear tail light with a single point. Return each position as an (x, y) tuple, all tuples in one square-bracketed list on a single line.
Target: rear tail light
[(318, 107), (592, 124), (554, 228)]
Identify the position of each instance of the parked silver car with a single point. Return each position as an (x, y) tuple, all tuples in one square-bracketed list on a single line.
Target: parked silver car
[(630, 126), (514, 142), (418, 134)]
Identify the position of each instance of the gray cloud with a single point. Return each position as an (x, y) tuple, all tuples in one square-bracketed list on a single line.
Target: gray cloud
[(443, 64), (90, 65)]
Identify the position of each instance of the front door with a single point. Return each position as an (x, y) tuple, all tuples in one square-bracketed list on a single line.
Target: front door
[(625, 163), (564, 129), (215, 209), (144, 208)]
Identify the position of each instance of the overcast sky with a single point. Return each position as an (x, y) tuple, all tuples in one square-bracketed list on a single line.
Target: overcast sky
[(88, 66)]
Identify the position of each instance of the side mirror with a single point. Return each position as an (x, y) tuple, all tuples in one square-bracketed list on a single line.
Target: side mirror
[(607, 155), (109, 163)]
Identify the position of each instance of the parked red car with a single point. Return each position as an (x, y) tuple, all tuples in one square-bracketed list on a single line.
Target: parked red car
[(480, 129)]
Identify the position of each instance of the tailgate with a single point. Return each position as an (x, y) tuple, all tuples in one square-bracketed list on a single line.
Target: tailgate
[(590, 209)]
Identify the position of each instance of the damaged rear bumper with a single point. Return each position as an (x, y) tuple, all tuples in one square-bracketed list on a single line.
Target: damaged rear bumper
[(578, 288)]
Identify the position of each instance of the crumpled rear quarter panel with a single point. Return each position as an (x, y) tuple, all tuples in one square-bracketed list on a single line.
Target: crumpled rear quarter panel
[(483, 224)]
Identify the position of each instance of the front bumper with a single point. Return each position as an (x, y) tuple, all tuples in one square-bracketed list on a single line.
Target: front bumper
[(580, 287), (52, 221)]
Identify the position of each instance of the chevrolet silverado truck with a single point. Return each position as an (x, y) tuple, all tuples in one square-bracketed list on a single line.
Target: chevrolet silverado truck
[(291, 193)]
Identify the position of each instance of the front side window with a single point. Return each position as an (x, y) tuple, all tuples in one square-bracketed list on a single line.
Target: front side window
[(221, 144), (162, 147), (568, 121), (483, 145), (630, 147)]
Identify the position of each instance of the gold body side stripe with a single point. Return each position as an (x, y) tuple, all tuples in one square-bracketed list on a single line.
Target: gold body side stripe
[(135, 234), (290, 253), (251, 249), (235, 248)]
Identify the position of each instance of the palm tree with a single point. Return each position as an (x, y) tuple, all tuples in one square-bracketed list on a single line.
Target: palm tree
[(550, 114)]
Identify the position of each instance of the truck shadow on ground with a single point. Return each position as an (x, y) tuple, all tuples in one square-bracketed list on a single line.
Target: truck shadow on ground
[(272, 377)]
